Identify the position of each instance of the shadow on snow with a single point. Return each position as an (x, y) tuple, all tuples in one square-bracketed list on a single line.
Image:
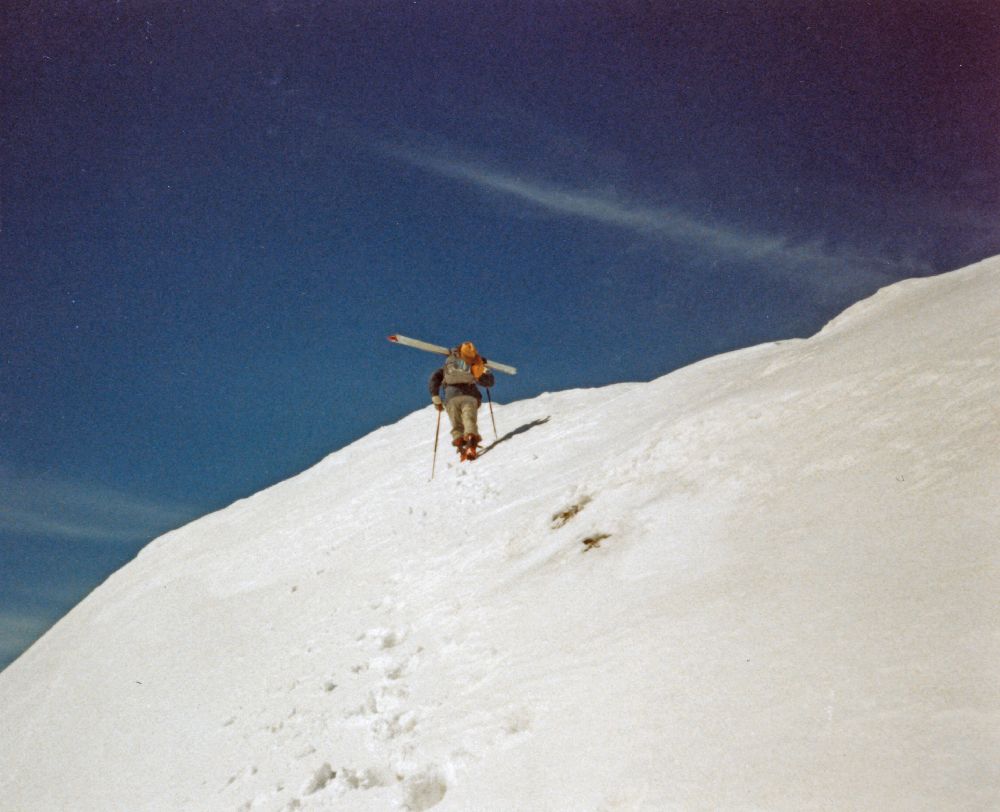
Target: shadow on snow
[(519, 430)]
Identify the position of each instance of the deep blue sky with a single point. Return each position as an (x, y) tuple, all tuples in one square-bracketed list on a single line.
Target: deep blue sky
[(212, 215)]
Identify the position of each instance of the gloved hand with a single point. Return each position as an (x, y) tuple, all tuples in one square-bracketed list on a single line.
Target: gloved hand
[(437, 403)]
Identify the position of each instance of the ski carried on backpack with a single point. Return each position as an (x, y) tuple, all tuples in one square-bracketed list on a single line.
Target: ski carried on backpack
[(423, 345)]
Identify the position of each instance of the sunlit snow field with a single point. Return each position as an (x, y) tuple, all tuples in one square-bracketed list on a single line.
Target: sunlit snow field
[(766, 581)]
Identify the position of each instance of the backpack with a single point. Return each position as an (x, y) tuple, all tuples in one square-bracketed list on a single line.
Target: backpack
[(457, 370)]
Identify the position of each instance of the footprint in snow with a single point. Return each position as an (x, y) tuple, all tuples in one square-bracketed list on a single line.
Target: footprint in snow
[(384, 638), (323, 776), (424, 790)]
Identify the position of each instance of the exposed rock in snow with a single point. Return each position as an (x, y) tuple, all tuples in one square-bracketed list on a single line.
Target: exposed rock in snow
[(768, 580)]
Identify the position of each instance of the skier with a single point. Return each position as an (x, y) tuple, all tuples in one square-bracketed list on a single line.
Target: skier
[(462, 371)]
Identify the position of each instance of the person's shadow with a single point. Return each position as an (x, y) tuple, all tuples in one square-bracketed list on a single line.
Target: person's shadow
[(519, 430)]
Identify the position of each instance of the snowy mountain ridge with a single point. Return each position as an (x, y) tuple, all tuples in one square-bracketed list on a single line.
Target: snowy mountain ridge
[(765, 581)]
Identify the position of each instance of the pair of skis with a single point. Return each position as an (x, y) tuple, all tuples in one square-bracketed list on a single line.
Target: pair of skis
[(435, 348)]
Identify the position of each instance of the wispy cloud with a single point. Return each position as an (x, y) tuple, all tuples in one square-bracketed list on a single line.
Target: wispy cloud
[(18, 630), (84, 511), (663, 222), (28, 610)]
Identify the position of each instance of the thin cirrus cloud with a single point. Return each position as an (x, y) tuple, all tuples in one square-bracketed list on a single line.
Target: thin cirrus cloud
[(19, 629), (82, 511), (31, 611), (661, 221)]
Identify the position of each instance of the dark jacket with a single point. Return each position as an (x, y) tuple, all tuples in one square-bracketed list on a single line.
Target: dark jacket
[(460, 380)]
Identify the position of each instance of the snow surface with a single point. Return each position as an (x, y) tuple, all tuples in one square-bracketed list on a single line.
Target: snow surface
[(767, 581)]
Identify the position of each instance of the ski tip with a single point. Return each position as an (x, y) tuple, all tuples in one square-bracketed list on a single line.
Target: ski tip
[(393, 338)]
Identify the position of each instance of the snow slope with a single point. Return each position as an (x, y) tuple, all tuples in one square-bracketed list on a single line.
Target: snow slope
[(789, 600)]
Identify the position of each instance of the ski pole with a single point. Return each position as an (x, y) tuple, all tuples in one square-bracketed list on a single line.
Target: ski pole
[(437, 431), (489, 398)]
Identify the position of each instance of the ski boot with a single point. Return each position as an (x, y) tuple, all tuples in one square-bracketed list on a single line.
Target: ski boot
[(470, 447)]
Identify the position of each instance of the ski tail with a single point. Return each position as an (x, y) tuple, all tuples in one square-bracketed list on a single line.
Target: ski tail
[(420, 345)]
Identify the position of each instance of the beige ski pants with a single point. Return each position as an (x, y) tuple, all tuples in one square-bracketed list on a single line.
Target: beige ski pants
[(462, 411)]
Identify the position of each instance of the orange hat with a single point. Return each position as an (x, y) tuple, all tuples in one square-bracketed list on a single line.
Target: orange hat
[(468, 351)]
